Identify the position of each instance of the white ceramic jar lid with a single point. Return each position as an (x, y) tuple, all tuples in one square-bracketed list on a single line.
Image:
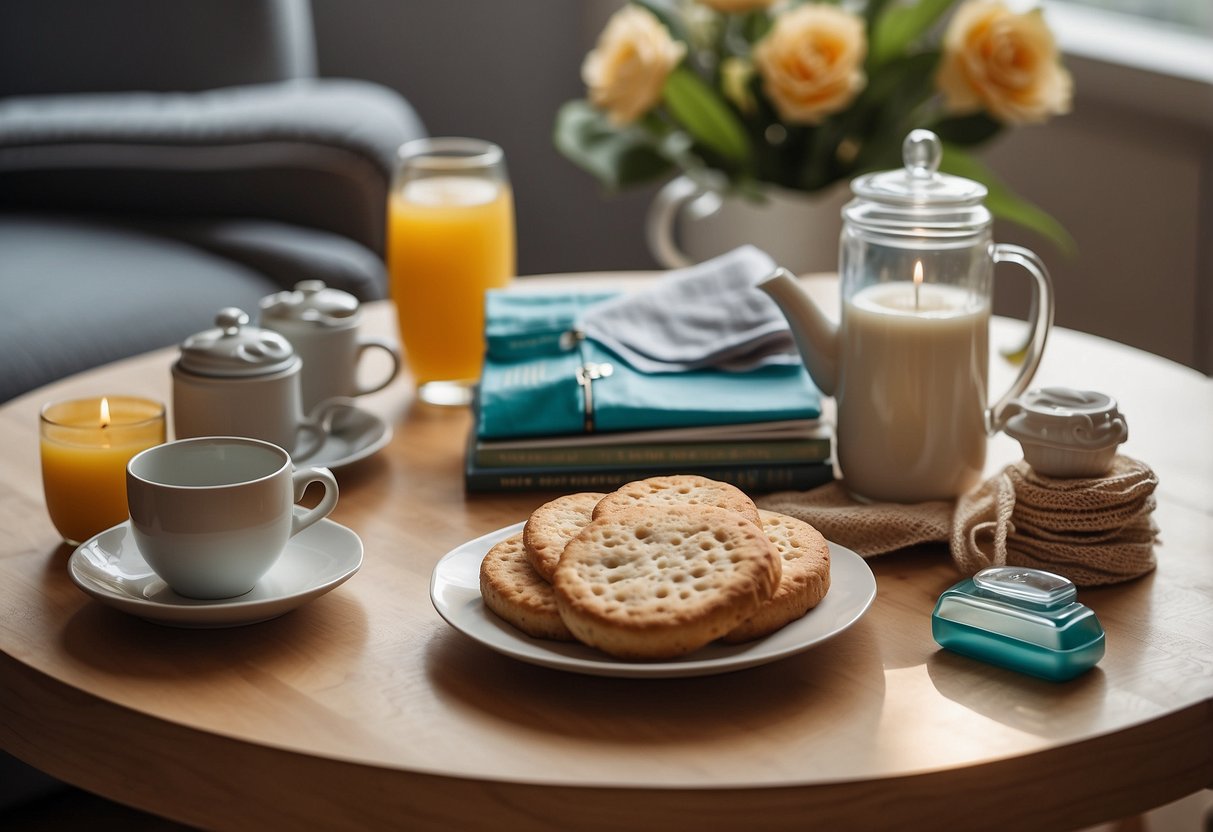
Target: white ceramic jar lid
[(313, 303), (1066, 418), (235, 349)]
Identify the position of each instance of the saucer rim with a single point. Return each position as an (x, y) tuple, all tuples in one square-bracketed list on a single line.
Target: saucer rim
[(211, 613)]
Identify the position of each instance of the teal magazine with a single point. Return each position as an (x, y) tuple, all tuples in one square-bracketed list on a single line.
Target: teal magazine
[(544, 377)]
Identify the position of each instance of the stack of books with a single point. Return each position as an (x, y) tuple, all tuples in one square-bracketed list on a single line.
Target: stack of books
[(558, 411), (757, 457)]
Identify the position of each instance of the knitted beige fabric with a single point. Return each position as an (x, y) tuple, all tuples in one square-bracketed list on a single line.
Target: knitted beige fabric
[(1093, 531), (865, 528)]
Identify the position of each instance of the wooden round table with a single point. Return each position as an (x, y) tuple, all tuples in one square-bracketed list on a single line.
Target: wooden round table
[(364, 709)]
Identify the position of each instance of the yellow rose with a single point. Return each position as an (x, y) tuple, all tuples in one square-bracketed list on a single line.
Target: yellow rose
[(731, 6), (626, 70), (811, 62), (1003, 62)]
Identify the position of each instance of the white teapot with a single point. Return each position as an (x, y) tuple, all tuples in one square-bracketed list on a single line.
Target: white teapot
[(908, 363)]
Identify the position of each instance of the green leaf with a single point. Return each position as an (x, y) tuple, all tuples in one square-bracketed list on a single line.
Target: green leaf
[(1003, 202), (705, 115), (900, 25), (668, 16), (972, 129), (616, 156), (756, 25)]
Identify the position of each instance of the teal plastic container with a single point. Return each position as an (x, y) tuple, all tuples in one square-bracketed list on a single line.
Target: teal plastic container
[(1023, 619)]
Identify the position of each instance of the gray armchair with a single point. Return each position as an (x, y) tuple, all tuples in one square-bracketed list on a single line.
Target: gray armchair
[(162, 160), (159, 161)]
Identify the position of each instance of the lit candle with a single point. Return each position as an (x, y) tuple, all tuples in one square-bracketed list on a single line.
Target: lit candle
[(86, 444), (914, 382)]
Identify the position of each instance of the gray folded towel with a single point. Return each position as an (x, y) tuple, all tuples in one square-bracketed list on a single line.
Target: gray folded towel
[(706, 316)]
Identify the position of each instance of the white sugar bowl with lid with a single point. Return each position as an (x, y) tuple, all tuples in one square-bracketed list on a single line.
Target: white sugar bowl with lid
[(240, 380), (322, 325)]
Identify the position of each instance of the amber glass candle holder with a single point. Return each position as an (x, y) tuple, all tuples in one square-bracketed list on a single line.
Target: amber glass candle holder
[(85, 446)]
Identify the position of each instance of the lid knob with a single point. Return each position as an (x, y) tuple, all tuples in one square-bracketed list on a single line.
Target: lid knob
[(235, 349), (230, 319), (921, 152), (310, 287)]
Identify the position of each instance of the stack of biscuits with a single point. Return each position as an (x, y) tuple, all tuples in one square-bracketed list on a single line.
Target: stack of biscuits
[(656, 569)]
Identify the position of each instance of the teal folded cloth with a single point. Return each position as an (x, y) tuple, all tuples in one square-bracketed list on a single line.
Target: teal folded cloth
[(543, 376)]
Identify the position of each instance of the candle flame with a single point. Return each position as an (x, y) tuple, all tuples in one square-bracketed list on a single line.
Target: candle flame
[(105, 412), (917, 272)]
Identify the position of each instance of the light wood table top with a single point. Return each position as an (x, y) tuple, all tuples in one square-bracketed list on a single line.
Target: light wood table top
[(364, 709)]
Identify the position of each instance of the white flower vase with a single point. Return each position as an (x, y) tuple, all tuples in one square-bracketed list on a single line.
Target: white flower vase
[(688, 224)]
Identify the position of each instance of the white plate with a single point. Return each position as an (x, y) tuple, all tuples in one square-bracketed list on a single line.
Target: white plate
[(455, 593), (110, 568), (355, 434)]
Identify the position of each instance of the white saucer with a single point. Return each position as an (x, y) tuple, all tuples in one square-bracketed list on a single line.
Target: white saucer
[(110, 568), (355, 434), (455, 593)]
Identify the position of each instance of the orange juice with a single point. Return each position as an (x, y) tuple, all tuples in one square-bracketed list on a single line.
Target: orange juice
[(450, 238)]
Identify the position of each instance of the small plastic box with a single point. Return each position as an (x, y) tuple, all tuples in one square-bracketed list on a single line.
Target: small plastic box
[(1022, 619)]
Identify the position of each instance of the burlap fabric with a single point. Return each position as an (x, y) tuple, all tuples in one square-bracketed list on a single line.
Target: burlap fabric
[(1093, 531)]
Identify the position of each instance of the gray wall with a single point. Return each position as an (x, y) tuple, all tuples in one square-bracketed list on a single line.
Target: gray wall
[(497, 71)]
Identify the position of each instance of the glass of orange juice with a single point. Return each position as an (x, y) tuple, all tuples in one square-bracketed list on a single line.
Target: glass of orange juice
[(450, 239)]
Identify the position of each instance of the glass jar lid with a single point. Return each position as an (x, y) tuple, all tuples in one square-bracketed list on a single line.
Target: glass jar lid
[(918, 198), (235, 349), (311, 302)]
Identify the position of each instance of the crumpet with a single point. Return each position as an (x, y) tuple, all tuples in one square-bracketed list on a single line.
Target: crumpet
[(649, 583), (553, 525), (683, 489), (512, 589), (805, 556)]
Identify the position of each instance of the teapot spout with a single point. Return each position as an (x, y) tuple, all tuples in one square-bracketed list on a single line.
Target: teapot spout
[(816, 335)]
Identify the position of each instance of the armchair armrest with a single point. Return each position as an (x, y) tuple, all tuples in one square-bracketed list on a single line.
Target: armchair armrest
[(316, 152)]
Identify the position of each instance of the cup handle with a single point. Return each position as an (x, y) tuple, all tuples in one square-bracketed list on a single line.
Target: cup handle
[(315, 432), (663, 212), (393, 354), (1041, 318), (301, 479)]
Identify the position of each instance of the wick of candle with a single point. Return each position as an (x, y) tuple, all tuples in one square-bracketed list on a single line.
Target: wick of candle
[(917, 281), (105, 413)]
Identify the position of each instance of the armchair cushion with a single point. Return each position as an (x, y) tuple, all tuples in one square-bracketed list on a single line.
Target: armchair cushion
[(78, 292), (314, 152)]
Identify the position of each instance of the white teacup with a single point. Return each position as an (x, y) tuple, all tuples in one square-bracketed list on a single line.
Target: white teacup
[(211, 515)]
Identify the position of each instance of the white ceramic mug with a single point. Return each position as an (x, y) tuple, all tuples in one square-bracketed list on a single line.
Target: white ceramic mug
[(331, 357), (322, 325), (211, 515)]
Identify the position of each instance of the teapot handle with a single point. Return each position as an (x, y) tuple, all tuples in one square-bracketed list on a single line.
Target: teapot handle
[(1041, 319), (677, 194)]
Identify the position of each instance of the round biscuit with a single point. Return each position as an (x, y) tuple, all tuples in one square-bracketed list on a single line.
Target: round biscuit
[(553, 525), (643, 583), (512, 589), (680, 489), (805, 556)]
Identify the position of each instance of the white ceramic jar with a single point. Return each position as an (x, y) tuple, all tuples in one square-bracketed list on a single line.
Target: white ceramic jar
[(240, 380)]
